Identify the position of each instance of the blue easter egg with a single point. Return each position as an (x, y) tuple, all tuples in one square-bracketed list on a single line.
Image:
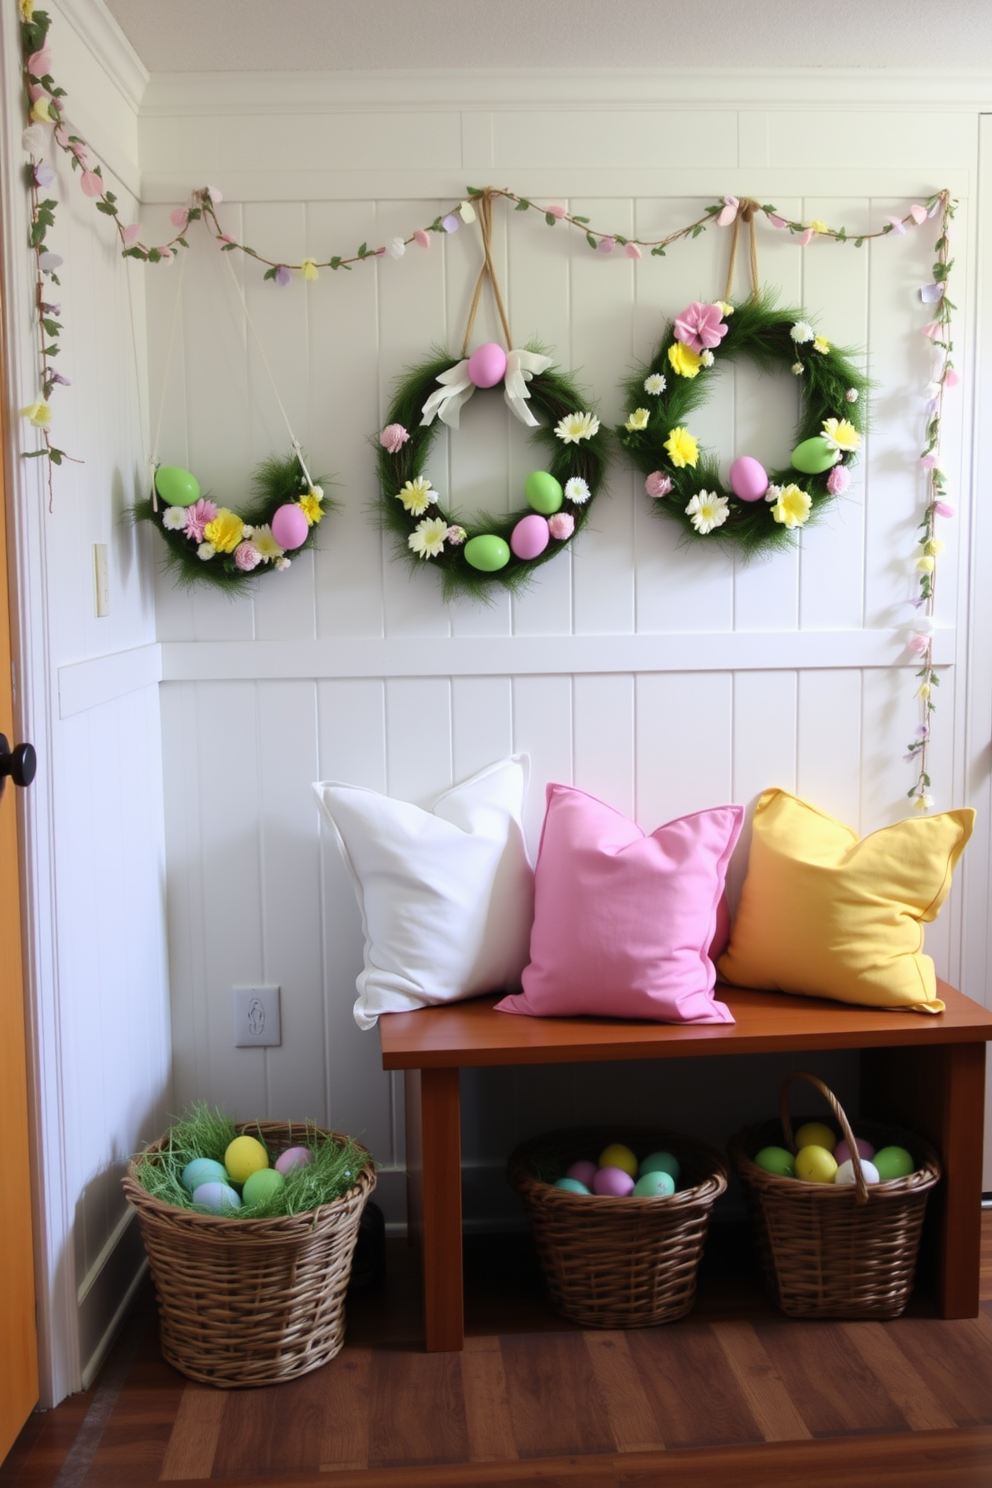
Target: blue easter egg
[(202, 1170)]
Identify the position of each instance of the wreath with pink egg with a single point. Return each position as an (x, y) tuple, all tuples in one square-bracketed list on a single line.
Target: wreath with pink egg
[(758, 510)]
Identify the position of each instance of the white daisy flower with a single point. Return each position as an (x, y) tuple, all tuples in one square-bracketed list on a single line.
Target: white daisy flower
[(577, 426), (174, 518), (205, 551), (428, 537), (417, 495), (577, 490), (802, 331), (282, 563), (707, 510), (707, 358), (265, 544), (798, 368), (655, 384)]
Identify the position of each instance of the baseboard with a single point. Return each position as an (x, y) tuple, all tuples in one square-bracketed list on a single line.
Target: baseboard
[(106, 1294)]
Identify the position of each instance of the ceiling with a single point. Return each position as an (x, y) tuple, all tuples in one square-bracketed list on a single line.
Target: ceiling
[(372, 35)]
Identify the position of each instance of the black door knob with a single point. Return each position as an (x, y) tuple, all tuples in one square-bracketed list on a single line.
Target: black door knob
[(20, 763)]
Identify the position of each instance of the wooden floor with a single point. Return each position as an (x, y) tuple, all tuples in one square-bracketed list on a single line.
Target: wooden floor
[(735, 1396)]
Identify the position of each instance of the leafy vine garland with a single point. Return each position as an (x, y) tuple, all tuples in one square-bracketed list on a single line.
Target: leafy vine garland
[(207, 543), (471, 559), (758, 510)]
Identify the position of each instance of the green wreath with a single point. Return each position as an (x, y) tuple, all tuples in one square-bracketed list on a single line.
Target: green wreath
[(211, 544), (760, 510), (491, 550)]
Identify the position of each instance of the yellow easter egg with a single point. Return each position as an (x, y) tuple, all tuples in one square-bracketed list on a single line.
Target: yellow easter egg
[(815, 1134), (244, 1156), (616, 1155), (815, 1165)]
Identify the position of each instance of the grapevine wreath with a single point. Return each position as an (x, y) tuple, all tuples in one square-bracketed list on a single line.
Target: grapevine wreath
[(759, 510), (209, 543), (503, 550)]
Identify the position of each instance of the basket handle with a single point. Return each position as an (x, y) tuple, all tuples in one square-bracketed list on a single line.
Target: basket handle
[(860, 1183)]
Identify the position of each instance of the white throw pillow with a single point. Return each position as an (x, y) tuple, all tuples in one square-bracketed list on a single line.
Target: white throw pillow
[(447, 895)]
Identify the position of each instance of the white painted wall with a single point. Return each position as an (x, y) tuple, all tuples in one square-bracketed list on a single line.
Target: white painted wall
[(93, 821), (661, 680)]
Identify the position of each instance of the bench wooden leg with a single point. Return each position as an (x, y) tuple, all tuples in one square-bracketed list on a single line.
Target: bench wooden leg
[(434, 1198), (939, 1091)]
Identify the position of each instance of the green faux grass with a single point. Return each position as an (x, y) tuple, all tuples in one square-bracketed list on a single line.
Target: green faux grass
[(552, 397), (274, 482), (202, 1132)]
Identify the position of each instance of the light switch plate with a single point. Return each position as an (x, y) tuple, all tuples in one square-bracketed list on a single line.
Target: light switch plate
[(257, 1017)]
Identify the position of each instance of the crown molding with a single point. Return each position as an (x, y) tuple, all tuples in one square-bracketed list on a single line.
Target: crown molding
[(100, 33), (922, 89)]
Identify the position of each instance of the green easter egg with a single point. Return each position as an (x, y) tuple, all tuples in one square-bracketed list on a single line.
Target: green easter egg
[(176, 486), (893, 1162), (778, 1161), (654, 1185), (661, 1162), (543, 492), (814, 456), (260, 1187), (487, 552), (571, 1185)]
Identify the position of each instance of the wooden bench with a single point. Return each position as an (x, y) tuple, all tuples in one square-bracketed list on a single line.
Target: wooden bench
[(926, 1072)]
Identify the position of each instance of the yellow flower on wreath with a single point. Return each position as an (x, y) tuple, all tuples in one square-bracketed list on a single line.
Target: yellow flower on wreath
[(682, 447), (27, 9), (637, 420), (840, 434), (684, 360), (792, 505), (308, 268), (38, 413), (417, 495), (311, 507), (225, 531)]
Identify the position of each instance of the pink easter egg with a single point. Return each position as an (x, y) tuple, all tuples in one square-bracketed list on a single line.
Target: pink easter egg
[(290, 526), (293, 1157), (487, 365), (748, 478), (583, 1171), (842, 1152), (531, 536), (612, 1183)]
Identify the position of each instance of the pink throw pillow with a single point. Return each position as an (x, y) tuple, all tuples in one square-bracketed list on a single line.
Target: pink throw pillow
[(623, 922)]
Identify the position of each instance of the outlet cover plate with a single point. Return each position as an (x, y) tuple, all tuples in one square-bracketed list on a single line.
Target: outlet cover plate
[(257, 1017)]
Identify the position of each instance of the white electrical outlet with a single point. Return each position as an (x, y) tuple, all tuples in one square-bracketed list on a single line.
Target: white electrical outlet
[(257, 1017)]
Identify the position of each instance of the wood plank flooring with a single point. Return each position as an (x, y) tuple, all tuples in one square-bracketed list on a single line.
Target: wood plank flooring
[(734, 1395)]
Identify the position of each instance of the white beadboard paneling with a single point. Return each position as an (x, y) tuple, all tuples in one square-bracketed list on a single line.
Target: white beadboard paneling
[(829, 743), (343, 330), (683, 744), (543, 728), (418, 739), (899, 137), (482, 723), (604, 755), (565, 136)]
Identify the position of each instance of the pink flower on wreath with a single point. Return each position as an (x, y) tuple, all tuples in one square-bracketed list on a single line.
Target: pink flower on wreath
[(556, 212), (561, 525), (700, 327), (929, 462), (658, 484), (918, 644), (806, 237), (777, 220), (40, 63), (951, 378), (247, 556), (606, 245), (197, 517), (91, 184), (728, 211), (932, 329), (393, 438), (422, 237), (944, 509), (632, 250), (130, 234), (179, 217), (838, 480)]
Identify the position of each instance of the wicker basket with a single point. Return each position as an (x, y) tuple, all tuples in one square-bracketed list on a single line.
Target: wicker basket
[(829, 1250), (618, 1263), (253, 1301)]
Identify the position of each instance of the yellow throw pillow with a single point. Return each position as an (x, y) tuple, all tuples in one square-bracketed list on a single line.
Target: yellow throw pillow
[(827, 914)]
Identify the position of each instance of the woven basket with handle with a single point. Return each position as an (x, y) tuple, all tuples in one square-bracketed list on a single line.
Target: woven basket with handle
[(618, 1263), (251, 1301), (835, 1250)]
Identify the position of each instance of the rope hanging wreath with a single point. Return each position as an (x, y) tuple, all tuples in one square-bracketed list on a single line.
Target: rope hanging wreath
[(759, 510), (211, 544), (491, 550)]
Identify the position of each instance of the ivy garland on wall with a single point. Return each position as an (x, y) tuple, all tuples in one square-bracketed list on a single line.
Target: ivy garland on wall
[(48, 131)]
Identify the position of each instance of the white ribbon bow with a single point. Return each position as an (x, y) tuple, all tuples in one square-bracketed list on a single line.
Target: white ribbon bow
[(456, 388)]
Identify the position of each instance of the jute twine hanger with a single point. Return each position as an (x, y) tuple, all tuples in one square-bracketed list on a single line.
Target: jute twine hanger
[(745, 213), (488, 271)]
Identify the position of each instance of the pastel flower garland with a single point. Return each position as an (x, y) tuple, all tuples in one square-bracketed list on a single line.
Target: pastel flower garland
[(759, 510), (492, 550), (944, 376)]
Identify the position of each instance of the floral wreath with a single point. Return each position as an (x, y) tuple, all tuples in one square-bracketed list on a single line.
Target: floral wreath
[(760, 510), (212, 544), (502, 550)]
